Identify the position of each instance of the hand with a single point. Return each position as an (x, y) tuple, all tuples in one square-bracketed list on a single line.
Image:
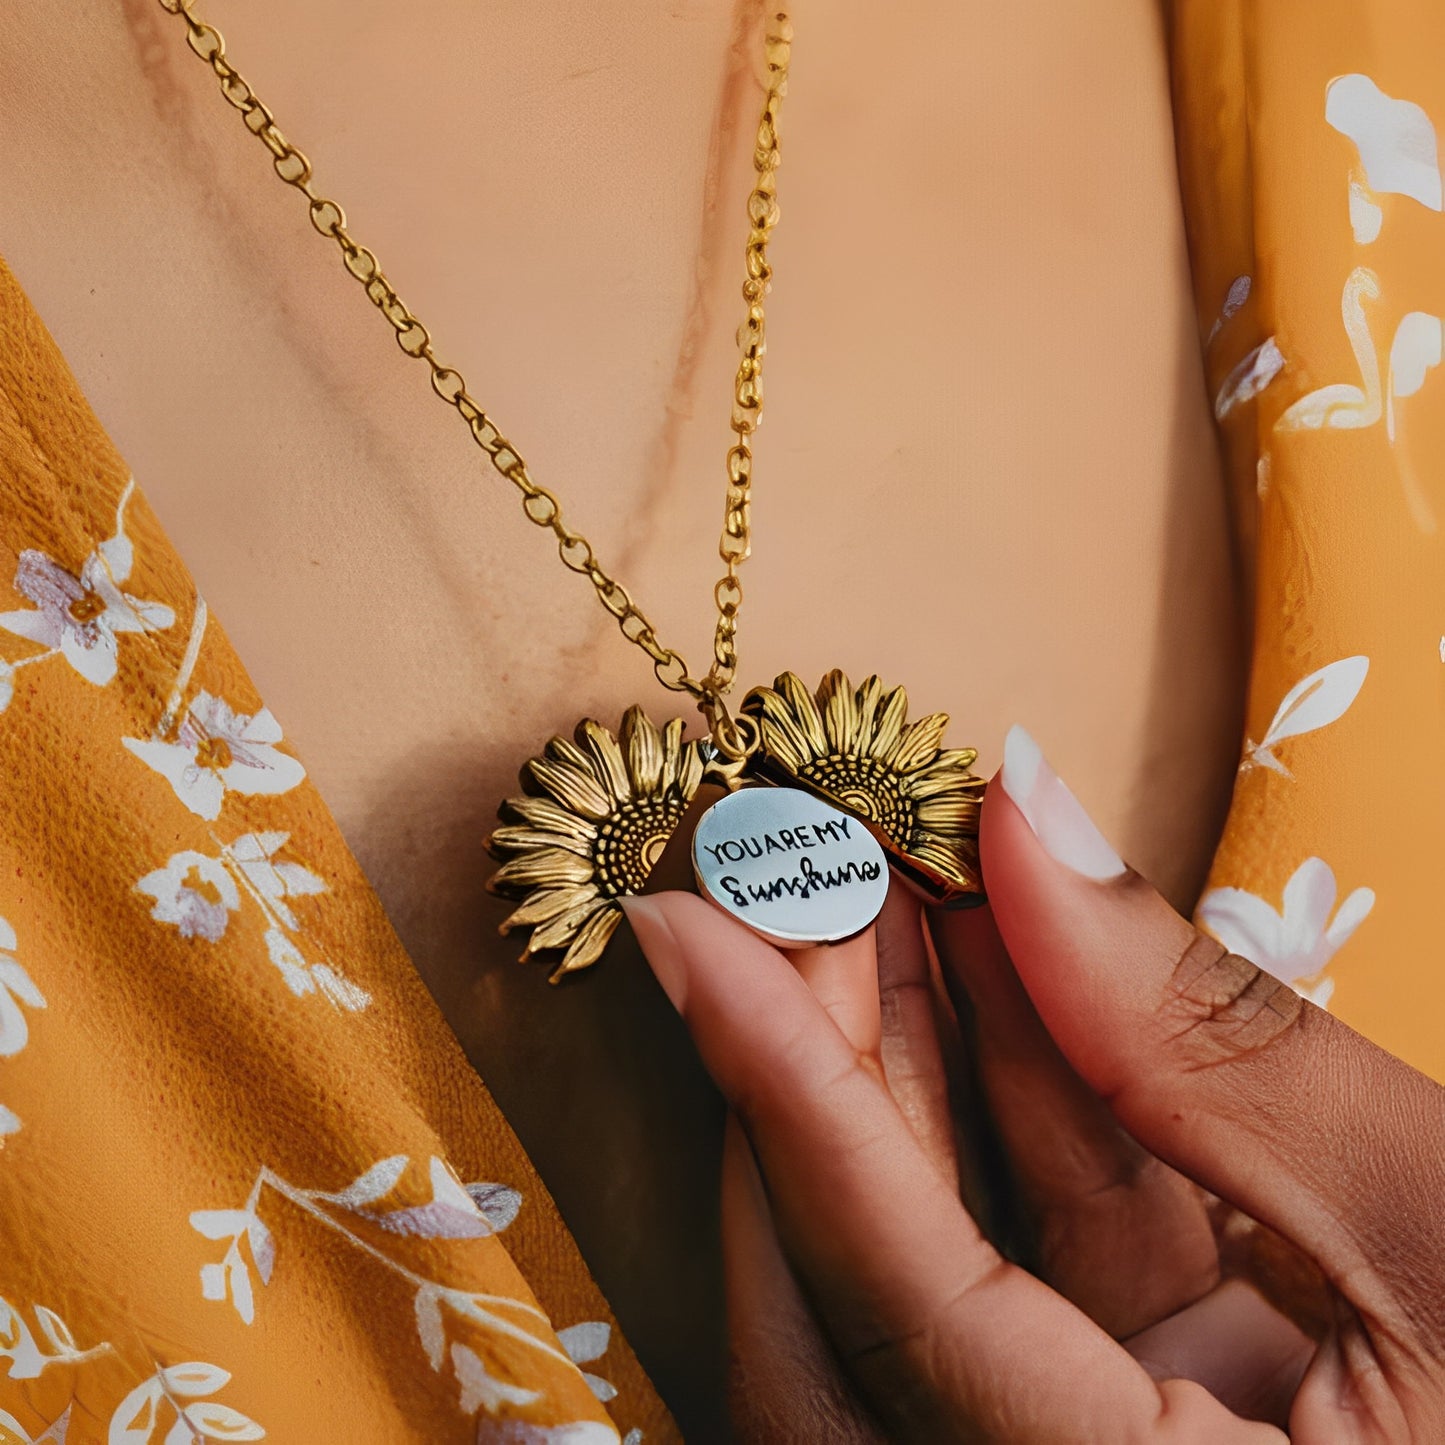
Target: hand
[(1125, 1060)]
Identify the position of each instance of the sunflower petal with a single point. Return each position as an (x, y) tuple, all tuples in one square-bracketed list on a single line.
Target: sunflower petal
[(672, 746), (919, 745), (892, 714), (643, 745), (948, 814), (547, 866), (783, 742), (573, 787), (589, 944), (606, 758), (690, 770), (933, 782), (559, 932), (805, 712), (549, 816), (958, 863), (546, 904), (840, 712), (954, 759), (775, 717), (529, 840), (868, 697), (568, 752)]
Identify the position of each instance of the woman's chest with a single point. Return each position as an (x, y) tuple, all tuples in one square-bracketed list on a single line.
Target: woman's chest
[(986, 468)]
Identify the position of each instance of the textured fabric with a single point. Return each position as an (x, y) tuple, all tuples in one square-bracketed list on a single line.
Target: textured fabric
[(1312, 193), (250, 1188)]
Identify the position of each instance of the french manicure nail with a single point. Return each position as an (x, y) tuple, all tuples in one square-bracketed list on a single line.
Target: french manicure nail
[(1053, 812), (659, 945)]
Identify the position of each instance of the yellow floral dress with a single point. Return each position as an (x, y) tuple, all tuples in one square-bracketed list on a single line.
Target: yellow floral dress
[(250, 1188)]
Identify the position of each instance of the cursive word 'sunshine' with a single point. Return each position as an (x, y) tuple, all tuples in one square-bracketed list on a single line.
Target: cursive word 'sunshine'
[(806, 883)]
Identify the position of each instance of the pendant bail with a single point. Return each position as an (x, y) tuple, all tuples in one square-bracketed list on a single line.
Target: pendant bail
[(736, 739)]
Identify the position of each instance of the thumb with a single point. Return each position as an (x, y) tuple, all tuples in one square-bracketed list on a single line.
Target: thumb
[(1212, 1064)]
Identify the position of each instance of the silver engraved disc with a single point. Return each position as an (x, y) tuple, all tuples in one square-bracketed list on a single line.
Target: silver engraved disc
[(790, 867)]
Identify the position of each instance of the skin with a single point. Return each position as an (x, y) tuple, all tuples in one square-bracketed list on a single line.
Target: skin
[(1126, 1060), (983, 373)]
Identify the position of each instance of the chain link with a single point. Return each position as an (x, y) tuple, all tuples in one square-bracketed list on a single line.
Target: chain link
[(735, 544), (541, 506)]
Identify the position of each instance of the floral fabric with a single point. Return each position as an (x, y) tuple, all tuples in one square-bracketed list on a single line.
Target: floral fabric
[(250, 1188), (1307, 134)]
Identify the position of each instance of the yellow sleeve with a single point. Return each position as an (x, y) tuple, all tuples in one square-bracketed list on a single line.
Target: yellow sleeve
[(246, 1171), (1309, 167)]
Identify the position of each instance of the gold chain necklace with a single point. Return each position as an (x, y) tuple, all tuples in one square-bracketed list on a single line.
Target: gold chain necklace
[(856, 786)]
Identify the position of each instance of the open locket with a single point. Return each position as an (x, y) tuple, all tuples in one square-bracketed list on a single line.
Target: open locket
[(798, 841)]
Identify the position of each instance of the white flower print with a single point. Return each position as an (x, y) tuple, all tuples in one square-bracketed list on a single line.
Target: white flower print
[(217, 751), (176, 1391), (1366, 216), (1236, 296), (195, 892), (57, 1433), (254, 857), (1297, 943), (198, 893), (1414, 350), (78, 617), (585, 1343), (1342, 404), (1314, 702), (30, 1356), (454, 1212), (180, 1390), (16, 987), (578, 1432), (1249, 377), (498, 1202), (481, 1390), (304, 977), (231, 1279), (1395, 139)]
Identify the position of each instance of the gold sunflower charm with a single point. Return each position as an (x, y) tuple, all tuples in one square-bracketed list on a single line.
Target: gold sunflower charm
[(599, 811), (598, 814), (857, 749)]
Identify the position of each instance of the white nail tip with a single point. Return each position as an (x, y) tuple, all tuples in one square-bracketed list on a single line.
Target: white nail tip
[(1021, 759), (1053, 812)]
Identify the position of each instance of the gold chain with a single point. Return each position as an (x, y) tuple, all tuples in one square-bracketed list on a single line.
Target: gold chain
[(540, 505)]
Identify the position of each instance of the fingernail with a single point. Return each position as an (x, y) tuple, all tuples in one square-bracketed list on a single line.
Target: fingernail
[(659, 945), (1053, 812)]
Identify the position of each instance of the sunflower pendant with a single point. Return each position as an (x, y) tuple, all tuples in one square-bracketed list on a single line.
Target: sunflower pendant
[(598, 811)]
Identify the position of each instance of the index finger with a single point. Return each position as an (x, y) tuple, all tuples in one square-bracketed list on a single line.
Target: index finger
[(947, 1339), (1219, 1068)]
